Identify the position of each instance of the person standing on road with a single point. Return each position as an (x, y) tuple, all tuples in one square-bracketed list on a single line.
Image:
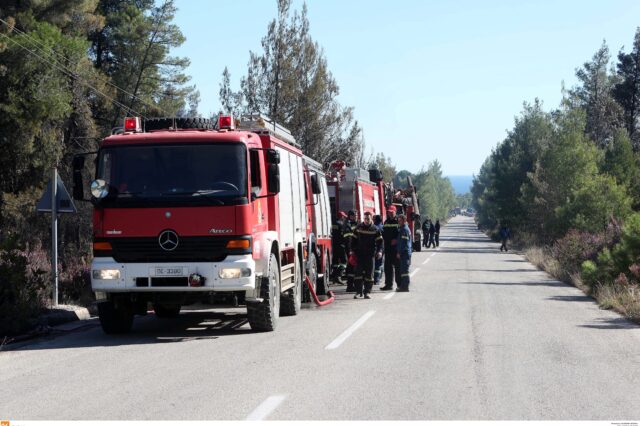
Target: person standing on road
[(339, 248), (366, 244), (432, 233), (390, 235), (437, 234), (377, 272), (350, 225), (504, 236), (404, 253), (425, 232)]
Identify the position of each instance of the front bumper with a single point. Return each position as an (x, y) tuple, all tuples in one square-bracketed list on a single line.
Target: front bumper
[(134, 276)]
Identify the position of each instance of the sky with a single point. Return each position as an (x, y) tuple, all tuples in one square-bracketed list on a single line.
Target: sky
[(428, 79)]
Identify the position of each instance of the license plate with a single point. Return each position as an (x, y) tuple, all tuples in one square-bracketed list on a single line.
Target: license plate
[(176, 271)]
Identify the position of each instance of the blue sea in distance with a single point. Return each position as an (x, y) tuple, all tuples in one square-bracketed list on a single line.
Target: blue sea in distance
[(461, 184)]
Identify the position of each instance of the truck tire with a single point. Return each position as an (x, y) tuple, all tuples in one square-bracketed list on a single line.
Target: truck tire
[(263, 316), (291, 303), (313, 277), (115, 318), (180, 123), (323, 283), (166, 311)]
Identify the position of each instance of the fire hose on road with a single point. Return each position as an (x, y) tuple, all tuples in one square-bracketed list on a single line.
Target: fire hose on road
[(315, 296)]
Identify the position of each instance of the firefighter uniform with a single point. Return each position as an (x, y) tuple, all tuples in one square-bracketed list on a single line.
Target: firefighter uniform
[(404, 250), (347, 234), (390, 235), (366, 243), (339, 250)]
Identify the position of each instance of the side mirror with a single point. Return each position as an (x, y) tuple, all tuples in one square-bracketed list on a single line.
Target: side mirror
[(273, 180), (273, 156), (78, 185), (315, 185), (375, 175)]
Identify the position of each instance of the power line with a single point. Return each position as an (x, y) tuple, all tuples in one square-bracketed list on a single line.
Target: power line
[(74, 76), (44, 49)]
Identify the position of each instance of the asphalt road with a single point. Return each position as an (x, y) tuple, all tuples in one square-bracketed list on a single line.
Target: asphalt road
[(482, 335)]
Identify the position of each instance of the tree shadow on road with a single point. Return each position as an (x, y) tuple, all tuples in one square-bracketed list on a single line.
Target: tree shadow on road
[(548, 283), (188, 326), (613, 324)]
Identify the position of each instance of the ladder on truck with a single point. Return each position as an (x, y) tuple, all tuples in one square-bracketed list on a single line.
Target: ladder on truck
[(261, 124)]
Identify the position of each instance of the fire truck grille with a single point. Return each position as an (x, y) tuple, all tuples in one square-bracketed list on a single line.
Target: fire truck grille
[(190, 249)]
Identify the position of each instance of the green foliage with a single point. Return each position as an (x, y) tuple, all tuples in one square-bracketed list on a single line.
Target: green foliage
[(435, 192), (627, 91), (385, 165), (22, 290), (290, 82)]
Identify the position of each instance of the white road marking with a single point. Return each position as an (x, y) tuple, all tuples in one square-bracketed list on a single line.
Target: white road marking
[(433, 254), (389, 296), (266, 407), (414, 272), (349, 331), (428, 259)]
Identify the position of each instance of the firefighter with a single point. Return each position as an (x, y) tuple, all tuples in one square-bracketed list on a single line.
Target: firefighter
[(377, 272), (404, 252), (366, 245), (437, 234), (390, 235), (339, 248), (347, 232)]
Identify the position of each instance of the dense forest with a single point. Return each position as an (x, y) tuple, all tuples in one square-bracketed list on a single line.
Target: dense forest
[(568, 180)]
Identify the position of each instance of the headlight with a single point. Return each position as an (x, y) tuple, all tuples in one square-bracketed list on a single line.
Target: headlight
[(234, 272), (106, 274)]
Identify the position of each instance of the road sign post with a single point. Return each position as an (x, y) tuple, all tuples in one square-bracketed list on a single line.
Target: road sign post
[(56, 199), (54, 235)]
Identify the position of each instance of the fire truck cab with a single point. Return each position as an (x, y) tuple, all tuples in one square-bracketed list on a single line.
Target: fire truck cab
[(185, 213)]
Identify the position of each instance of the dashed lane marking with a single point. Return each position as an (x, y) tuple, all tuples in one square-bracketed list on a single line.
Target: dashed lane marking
[(389, 296), (267, 407), (414, 272), (428, 259), (349, 331)]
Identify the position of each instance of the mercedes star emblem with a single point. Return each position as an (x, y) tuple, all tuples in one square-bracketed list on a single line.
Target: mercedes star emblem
[(168, 240)]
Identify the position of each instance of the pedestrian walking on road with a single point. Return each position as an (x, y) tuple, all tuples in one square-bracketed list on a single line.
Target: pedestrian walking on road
[(347, 233), (404, 253), (504, 236), (366, 244), (437, 234), (377, 271), (390, 235)]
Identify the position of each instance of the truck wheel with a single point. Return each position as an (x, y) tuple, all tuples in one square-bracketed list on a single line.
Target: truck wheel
[(263, 316), (166, 311), (313, 277), (323, 283), (292, 302), (115, 318)]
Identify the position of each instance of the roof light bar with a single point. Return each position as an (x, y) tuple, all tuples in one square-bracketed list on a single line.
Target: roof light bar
[(226, 122), (132, 124)]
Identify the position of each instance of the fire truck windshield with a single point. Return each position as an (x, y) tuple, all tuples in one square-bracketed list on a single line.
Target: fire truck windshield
[(200, 174)]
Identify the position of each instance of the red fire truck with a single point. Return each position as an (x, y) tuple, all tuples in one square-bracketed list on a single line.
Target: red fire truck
[(183, 211), (353, 188)]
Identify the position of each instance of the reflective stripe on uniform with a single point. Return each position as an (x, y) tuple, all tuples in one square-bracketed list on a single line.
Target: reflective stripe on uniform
[(361, 231), (390, 225)]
